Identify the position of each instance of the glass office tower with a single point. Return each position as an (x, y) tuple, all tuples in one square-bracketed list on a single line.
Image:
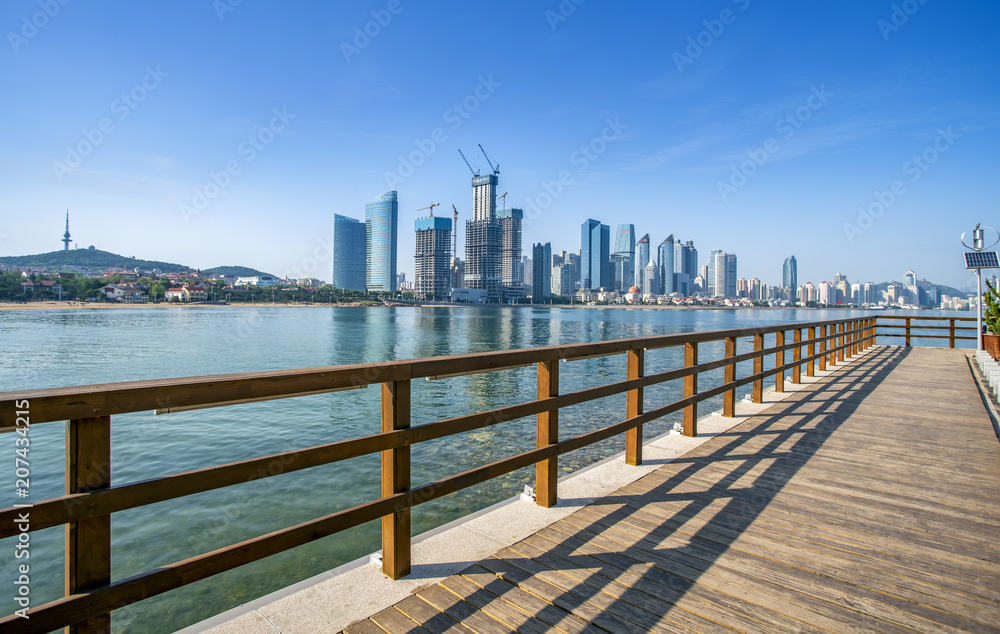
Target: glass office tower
[(381, 220)]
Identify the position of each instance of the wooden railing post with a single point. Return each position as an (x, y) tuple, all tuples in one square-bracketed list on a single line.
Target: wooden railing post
[(691, 389), (729, 397), (396, 479), (547, 425), (758, 367), (951, 334), (854, 338), (822, 348), (810, 351), (88, 542), (779, 360), (907, 331), (797, 356), (633, 407), (840, 342)]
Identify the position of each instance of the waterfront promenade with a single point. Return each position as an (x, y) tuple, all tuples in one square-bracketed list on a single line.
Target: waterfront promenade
[(866, 501)]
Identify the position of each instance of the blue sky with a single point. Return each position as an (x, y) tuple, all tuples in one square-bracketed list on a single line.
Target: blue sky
[(230, 132)]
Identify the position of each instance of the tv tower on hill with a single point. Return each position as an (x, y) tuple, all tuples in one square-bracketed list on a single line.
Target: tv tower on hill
[(65, 239)]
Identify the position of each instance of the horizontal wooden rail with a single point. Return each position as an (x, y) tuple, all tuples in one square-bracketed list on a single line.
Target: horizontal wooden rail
[(59, 404), (90, 599), (923, 318)]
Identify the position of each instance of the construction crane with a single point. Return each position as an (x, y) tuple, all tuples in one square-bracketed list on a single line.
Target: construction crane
[(475, 172), (496, 170), (504, 196), (433, 205)]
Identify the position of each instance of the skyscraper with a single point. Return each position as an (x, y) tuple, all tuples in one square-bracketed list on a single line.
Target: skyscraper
[(623, 258), (685, 267), (790, 277), (641, 260), (541, 274), (595, 255), (665, 259), (710, 276), (349, 240), (432, 256), (511, 280), (483, 238), (381, 220), (650, 281)]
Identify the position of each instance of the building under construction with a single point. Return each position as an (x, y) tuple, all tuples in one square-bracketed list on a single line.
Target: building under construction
[(432, 257), (482, 236), (511, 273)]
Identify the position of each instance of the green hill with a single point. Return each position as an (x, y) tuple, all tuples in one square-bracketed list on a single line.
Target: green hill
[(238, 271), (89, 258)]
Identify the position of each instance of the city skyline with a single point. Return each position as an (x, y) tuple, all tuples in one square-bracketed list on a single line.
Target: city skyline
[(769, 136)]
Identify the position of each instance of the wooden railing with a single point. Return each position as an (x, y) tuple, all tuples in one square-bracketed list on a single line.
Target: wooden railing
[(91, 498), (909, 327)]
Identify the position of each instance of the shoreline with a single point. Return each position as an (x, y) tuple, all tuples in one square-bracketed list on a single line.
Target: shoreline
[(55, 305)]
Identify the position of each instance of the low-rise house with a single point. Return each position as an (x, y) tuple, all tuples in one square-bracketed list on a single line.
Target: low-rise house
[(186, 294), (33, 287), (257, 280), (124, 293)]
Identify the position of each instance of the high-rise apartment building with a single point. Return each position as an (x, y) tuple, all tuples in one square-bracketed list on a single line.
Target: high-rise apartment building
[(381, 223), (511, 279), (623, 258), (483, 239), (790, 277), (349, 241), (457, 272), (562, 283), (595, 255), (526, 272), (641, 260), (432, 257), (722, 275), (541, 274)]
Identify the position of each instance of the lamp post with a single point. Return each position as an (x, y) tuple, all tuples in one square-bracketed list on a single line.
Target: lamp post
[(978, 260)]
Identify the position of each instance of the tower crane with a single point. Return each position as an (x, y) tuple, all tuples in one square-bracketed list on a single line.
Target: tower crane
[(475, 172), (433, 205), (504, 196), (496, 169)]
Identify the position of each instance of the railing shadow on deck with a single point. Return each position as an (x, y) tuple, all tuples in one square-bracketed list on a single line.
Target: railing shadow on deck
[(679, 567)]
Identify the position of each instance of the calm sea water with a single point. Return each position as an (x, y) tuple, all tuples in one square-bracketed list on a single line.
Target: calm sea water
[(58, 348)]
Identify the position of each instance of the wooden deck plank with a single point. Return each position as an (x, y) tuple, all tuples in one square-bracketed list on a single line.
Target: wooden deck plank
[(867, 501)]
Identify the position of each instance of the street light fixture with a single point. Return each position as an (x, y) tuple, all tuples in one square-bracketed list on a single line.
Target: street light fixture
[(977, 260)]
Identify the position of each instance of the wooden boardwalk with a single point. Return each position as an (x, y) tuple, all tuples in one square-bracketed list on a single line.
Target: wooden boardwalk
[(868, 502)]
